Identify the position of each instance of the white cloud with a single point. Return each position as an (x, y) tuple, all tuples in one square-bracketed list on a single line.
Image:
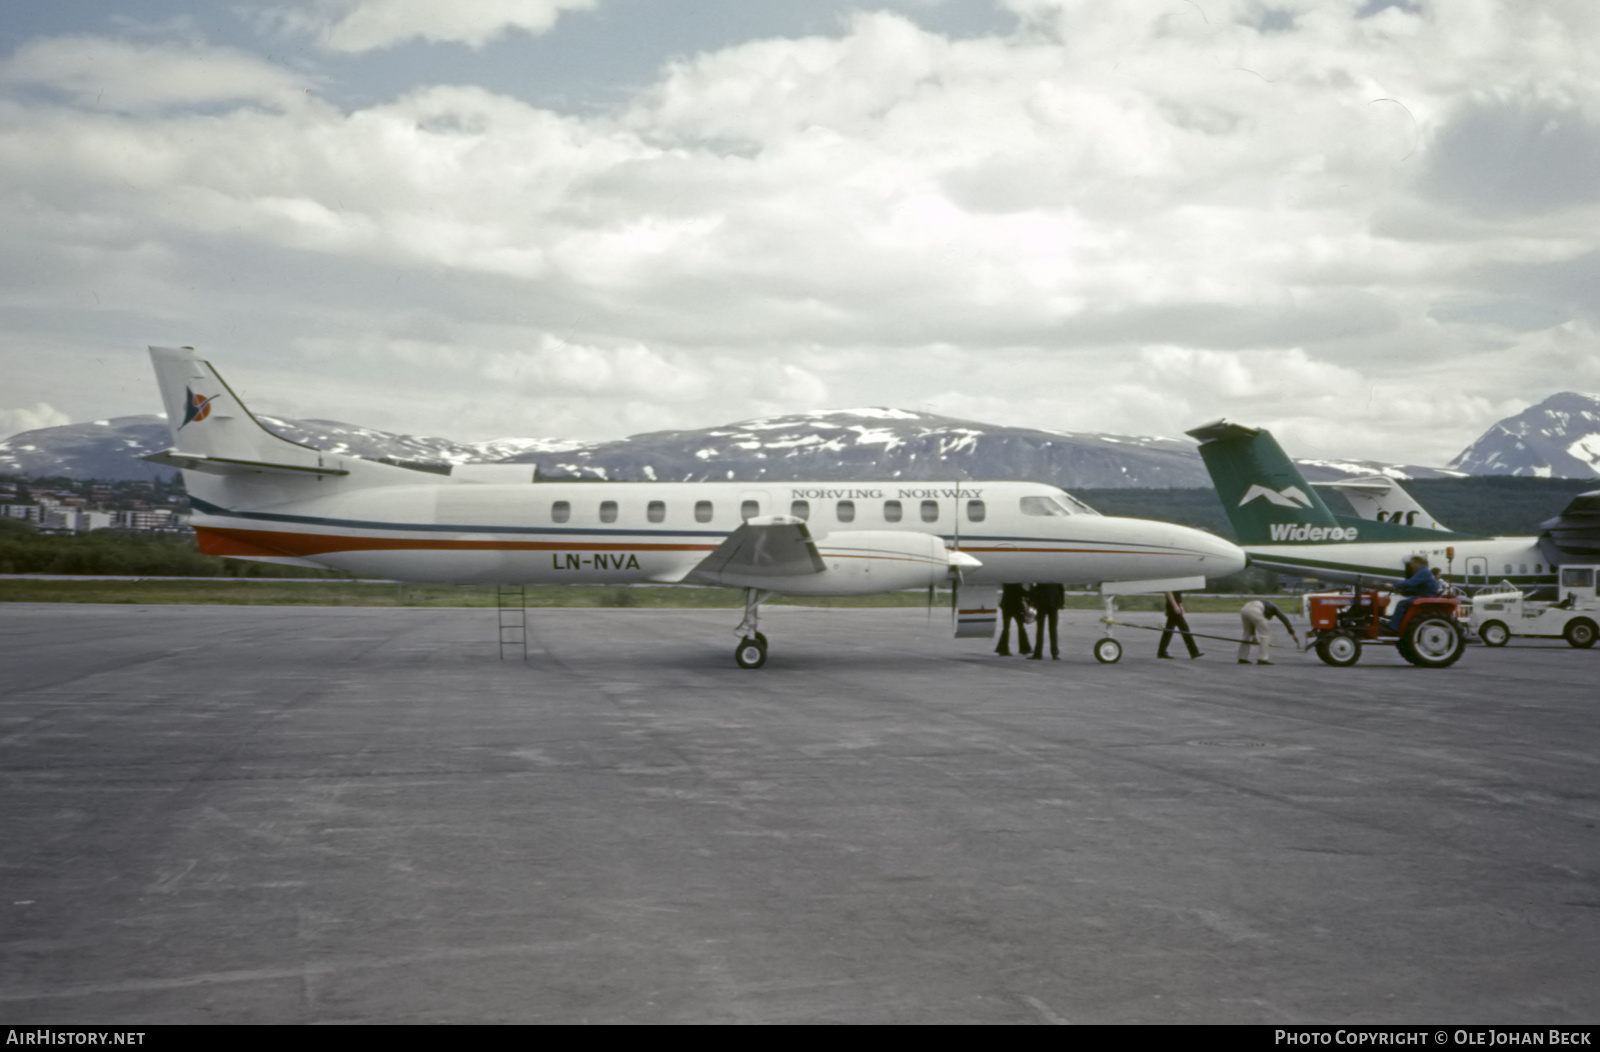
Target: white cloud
[(1124, 218), (367, 25), (43, 414), (138, 78)]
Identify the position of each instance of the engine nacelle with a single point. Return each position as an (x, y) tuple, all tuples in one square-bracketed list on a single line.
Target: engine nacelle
[(861, 563)]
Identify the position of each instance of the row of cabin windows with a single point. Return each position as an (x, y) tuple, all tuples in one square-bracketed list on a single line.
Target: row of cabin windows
[(843, 511)]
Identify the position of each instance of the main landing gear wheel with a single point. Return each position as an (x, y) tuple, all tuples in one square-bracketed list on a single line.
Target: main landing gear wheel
[(1338, 649), (1108, 651), (751, 652), (752, 649), (1494, 634), (1432, 643), (1580, 633)]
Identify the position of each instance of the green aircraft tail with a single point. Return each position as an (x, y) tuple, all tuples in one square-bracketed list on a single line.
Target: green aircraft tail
[(1270, 502)]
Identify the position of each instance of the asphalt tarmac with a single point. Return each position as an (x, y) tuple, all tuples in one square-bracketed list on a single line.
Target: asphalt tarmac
[(249, 814)]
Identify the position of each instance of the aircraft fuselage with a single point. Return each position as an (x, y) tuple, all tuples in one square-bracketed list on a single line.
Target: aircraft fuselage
[(445, 531)]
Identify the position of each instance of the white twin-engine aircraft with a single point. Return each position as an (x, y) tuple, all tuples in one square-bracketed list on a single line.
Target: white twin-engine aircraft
[(256, 495)]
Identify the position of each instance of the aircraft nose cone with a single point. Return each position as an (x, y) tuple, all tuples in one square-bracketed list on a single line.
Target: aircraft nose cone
[(1215, 557), (1222, 558)]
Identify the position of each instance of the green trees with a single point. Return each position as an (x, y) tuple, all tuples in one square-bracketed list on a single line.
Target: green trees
[(121, 553)]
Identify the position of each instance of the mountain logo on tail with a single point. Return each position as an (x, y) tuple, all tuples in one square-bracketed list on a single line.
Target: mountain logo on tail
[(1288, 497), (196, 408)]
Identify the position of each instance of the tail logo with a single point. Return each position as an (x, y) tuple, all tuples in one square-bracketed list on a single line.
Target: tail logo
[(196, 408), (1288, 497)]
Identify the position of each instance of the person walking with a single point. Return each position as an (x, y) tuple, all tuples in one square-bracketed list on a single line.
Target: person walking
[(1048, 599), (1176, 623), (1013, 607), (1258, 629)]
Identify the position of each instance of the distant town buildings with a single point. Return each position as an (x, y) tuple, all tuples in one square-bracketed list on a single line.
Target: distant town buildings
[(72, 506)]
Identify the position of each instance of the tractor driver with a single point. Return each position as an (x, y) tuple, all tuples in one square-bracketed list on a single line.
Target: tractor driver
[(1419, 582)]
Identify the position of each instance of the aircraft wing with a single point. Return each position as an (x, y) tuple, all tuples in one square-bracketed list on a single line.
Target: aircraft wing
[(769, 546)]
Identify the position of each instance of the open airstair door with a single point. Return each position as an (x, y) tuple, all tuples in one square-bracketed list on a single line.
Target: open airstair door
[(977, 611)]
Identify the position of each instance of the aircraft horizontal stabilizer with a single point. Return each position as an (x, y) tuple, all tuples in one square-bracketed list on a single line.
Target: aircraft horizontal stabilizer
[(231, 466)]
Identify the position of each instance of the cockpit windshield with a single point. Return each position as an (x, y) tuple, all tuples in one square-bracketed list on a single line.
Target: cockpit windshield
[(1059, 506), (1078, 506)]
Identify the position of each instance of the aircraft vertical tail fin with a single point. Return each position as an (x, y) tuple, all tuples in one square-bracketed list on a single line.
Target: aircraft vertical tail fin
[(1379, 498), (213, 432), (1266, 498)]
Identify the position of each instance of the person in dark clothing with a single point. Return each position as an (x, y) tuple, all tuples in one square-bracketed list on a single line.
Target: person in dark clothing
[(1176, 623), (1419, 581), (1013, 606), (1048, 599)]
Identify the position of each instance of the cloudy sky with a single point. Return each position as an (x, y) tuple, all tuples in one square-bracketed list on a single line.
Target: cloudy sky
[(1372, 225)]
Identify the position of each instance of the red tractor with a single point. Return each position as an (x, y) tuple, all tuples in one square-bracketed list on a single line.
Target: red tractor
[(1430, 633)]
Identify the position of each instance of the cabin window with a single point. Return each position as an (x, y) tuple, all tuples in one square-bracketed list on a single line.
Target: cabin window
[(702, 511), (561, 511), (891, 511), (976, 511), (749, 509), (656, 511), (845, 511), (930, 511), (608, 511), (800, 509), (1043, 506)]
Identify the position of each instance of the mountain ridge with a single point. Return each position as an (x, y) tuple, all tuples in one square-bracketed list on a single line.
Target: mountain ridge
[(827, 445)]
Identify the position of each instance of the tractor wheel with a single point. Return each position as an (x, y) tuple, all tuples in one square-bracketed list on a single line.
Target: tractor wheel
[(1580, 632), (1338, 649), (1432, 642), (1494, 633)]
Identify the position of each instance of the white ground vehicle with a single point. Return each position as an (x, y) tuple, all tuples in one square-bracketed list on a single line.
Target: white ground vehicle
[(1497, 616)]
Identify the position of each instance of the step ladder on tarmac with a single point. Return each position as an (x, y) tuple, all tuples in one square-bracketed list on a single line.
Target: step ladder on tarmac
[(512, 602)]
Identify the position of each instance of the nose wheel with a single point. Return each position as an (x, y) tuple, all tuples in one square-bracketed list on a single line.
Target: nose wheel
[(1107, 650)]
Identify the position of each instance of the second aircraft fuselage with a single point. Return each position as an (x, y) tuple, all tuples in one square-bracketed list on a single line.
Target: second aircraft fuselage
[(1475, 562)]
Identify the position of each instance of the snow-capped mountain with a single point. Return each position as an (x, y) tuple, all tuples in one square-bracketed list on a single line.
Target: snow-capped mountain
[(839, 445), (1558, 438), (104, 449), (333, 436), (883, 443), (109, 449)]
